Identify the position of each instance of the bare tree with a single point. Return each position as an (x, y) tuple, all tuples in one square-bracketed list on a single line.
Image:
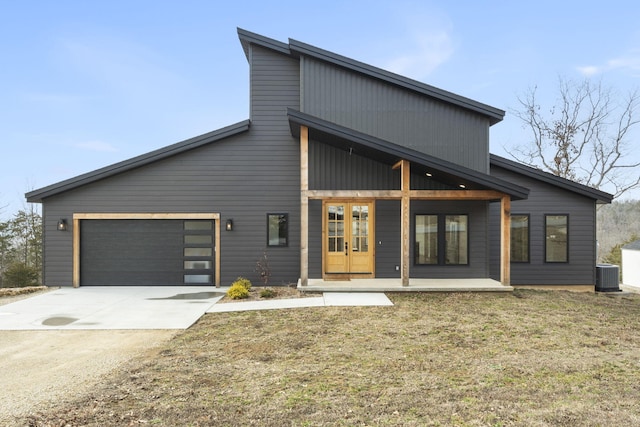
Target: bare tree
[(584, 137)]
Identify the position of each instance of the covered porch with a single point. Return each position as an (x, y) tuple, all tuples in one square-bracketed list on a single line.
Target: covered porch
[(396, 285), (456, 184)]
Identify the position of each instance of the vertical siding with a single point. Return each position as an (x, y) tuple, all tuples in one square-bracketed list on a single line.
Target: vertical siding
[(388, 238), (315, 238), (547, 199), (395, 114), (243, 177), (332, 168)]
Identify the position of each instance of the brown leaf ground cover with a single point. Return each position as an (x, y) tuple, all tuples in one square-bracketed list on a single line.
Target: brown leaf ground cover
[(527, 358)]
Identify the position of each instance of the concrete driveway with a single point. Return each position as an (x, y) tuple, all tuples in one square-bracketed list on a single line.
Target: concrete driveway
[(111, 307)]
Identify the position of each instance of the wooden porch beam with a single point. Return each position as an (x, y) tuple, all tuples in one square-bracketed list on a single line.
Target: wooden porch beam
[(505, 240), (405, 171), (304, 205), (455, 195), (353, 194)]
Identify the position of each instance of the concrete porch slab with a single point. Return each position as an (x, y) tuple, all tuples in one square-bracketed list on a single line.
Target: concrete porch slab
[(415, 285)]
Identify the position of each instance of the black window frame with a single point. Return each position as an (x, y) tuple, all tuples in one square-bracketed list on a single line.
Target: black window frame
[(286, 229), (442, 244), (545, 239), (528, 216)]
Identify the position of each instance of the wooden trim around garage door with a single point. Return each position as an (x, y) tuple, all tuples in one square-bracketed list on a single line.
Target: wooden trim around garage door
[(77, 217)]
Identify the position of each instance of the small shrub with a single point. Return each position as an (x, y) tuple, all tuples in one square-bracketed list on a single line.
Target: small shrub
[(267, 293), (237, 291), (19, 275), (245, 283)]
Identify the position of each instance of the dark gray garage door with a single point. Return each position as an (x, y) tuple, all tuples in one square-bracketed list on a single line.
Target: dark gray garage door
[(146, 252)]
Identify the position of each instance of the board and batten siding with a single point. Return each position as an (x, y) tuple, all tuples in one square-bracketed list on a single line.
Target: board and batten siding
[(242, 177), (545, 199), (395, 114), (332, 168)]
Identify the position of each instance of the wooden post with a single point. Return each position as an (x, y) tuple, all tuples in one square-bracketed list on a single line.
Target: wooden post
[(304, 205), (405, 170), (75, 262), (505, 240)]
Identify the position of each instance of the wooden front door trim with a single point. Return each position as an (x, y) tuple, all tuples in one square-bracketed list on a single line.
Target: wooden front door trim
[(357, 264)]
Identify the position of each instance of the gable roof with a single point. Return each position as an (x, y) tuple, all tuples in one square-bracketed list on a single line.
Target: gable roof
[(389, 153), (566, 184), (296, 49), (135, 162)]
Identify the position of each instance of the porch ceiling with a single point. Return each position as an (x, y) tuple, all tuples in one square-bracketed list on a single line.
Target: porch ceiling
[(389, 153)]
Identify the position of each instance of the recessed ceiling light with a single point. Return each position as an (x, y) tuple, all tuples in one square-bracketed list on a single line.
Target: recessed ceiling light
[(462, 186), (428, 174)]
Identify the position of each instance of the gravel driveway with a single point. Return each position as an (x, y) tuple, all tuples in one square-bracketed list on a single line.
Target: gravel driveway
[(42, 368)]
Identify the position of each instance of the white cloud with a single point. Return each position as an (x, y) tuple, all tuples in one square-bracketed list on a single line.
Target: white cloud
[(426, 43), (629, 63), (96, 146)]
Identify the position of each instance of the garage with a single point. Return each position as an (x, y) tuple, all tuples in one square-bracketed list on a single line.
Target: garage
[(125, 251)]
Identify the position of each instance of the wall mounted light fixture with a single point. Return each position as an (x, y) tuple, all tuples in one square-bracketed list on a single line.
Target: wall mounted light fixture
[(229, 225), (62, 224)]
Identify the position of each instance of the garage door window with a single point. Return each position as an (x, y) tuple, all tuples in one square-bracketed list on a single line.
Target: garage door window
[(198, 252)]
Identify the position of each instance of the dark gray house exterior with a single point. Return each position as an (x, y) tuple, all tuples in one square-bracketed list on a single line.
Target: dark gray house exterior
[(343, 171)]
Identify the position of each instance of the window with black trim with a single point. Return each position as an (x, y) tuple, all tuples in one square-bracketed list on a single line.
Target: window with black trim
[(556, 228), (441, 240), (277, 229), (519, 238)]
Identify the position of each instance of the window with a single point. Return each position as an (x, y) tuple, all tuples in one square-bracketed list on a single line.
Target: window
[(426, 239), (278, 229), (556, 238), (441, 240), (519, 238)]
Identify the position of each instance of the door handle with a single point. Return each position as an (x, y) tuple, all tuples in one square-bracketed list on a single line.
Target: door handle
[(346, 248)]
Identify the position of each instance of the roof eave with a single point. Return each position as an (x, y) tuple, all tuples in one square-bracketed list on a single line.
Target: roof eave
[(247, 38), (297, 48), (36, 196), (299, 118), (598, 195)]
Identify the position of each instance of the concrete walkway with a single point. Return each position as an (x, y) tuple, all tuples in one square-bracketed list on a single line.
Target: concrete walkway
[(146, 307)]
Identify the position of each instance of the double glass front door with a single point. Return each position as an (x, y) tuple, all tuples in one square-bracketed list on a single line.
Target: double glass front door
[(348, 238)]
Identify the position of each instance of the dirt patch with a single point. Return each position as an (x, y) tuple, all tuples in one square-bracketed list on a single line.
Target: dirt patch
[(527, 358), (9, 295), (45, 369)]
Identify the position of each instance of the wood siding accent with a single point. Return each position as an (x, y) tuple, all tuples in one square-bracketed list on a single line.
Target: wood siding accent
[(304, 206), (548, 199), (395, 114), (505, 240), (242, 177), (405, 226)]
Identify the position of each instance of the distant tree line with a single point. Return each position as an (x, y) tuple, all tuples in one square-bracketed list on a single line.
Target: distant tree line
[(21, 249), (618, 224)]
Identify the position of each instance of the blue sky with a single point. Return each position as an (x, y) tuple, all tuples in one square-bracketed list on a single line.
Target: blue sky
[(86, 84)]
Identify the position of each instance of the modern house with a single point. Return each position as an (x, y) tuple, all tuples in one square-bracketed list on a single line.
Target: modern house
[(343, 172)]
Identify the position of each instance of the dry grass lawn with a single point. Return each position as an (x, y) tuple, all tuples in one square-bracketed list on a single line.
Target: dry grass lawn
[(527, 358)]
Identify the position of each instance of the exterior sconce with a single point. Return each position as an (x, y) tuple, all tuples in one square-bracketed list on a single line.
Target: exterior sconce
[(62, 224), (229, 225)]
